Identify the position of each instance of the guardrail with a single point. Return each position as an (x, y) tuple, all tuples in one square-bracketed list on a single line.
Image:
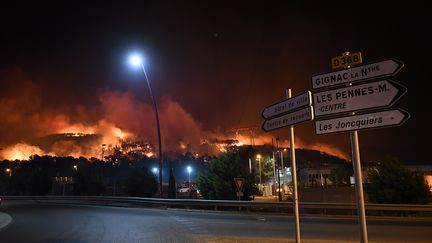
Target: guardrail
[(283, 207)]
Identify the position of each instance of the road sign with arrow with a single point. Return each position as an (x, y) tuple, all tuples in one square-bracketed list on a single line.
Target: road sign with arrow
[(359, 73), (358, 97), (380, 119)]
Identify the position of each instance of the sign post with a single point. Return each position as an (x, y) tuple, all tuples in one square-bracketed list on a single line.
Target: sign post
[(355, 155), (294, 176), (359, 185), (290, 111), (355, 98)]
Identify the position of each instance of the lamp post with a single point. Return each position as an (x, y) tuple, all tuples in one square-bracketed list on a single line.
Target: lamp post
[(259, 167), (189, 169), (282, 165), (137, 61)]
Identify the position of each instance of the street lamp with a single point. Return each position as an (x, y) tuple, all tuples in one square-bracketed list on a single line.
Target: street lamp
[(282, 165), (259, 167), (136, 60), (9, 171), (75, 167), (189, 169)]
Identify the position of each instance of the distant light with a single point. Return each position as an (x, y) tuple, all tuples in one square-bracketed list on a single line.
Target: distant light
[(149, 154), (189, 169), (135, 60), (154, 169)]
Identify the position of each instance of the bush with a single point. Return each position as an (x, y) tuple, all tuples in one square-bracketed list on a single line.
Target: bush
[(217, 180), (391, 182), (141, 183)]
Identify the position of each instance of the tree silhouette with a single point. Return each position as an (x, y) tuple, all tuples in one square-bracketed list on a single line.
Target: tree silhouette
[(391, 182), (141, 183), (340, 175), (216, 182)]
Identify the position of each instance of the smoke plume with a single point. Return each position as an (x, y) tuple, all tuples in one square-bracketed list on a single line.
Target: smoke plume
[(29, 125)]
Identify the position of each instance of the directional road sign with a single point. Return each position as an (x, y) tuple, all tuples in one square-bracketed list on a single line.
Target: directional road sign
[(380, 119), (369, 71), (358, 97), (289, 119), (291, 104)]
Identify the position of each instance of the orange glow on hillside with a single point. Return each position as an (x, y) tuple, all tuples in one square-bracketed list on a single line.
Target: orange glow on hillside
[(20, 151), (428, 179), (98, 130), (262, 139)]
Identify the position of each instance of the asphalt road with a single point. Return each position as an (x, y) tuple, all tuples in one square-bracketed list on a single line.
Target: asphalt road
[(44, 222)]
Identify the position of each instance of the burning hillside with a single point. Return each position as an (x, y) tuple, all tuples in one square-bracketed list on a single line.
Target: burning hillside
[(28, 126)]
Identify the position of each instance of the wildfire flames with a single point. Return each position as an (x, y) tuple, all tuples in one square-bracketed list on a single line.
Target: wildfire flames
[(20, 151), (26, 125)]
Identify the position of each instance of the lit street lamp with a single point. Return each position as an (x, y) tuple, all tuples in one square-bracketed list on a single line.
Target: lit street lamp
[(9, 171), (259, 164), (189, 169), (136, 60)]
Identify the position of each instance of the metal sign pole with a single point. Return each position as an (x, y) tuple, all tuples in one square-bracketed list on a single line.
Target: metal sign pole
[(355, 157), (294, 178), (359, 186)]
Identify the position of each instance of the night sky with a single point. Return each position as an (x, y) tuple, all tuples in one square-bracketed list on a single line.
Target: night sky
[(223, 63)]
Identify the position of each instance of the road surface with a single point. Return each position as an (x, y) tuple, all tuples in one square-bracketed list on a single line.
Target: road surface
[(49, 222)]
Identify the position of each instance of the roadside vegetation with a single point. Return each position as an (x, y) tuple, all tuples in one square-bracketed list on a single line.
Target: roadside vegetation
[(391, 182)]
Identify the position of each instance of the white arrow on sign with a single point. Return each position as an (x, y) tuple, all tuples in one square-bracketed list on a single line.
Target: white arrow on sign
[(289, 119), (359, 97), (388, 118), (290, 104), (359, 73)]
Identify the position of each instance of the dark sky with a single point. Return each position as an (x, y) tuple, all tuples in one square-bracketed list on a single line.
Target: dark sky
[(223, 62)]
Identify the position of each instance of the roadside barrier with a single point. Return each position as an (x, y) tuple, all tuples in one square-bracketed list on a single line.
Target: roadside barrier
[(423, 210)]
